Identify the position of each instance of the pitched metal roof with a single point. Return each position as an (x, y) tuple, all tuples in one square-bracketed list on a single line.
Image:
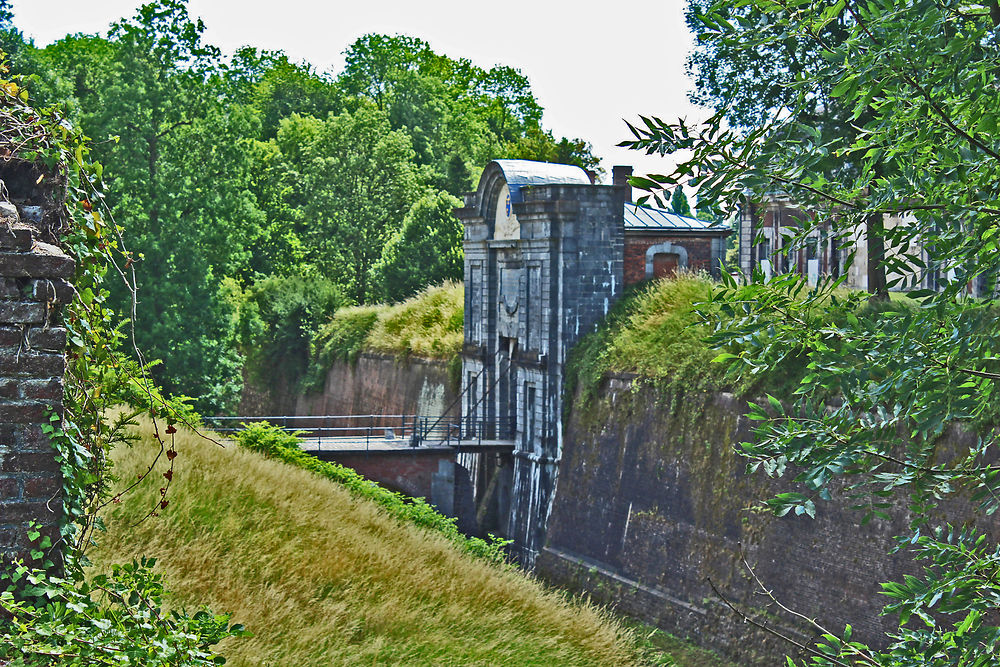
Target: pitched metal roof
[(646, 217), (522, 173)]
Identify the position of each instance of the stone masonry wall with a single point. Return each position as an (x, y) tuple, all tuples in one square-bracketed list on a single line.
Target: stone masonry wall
[(33, 285)]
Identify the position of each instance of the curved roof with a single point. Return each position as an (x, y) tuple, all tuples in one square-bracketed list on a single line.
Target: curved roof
[(646, 217), (523, 173)]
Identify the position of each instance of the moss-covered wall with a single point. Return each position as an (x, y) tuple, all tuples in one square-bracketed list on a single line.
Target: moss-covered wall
[(653, 503)]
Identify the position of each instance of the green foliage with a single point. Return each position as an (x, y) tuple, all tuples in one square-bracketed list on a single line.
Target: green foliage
[(355, 182), (653, 331), (910, 143), (277, 443), (428, 325), (177, 179), (236, 169), (455, 112), (278, 319), (426, 250), (115, 620), (343, 338), (679, 203)]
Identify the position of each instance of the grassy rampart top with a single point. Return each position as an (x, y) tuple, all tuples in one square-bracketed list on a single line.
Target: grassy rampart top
[(658, 332), (428, 325)]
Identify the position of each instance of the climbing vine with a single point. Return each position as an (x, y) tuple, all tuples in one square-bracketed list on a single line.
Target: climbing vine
[(106, 387)]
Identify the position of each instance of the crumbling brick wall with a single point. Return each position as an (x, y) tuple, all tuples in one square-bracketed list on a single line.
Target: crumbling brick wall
[(34, 283)]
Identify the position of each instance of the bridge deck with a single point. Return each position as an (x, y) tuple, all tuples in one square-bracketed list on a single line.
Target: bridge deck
[(349, 444)]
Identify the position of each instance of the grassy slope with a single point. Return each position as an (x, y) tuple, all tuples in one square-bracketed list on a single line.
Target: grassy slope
[(322, 578), (654, 332)]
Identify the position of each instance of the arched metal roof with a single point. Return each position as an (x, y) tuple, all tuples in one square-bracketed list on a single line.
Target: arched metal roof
[(524, 173)]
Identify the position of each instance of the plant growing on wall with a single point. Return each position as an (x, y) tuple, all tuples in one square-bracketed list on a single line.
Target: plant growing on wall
[(916, 82), (115, 619)]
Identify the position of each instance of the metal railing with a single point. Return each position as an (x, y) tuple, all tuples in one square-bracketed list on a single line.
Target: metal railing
[(413, 430)]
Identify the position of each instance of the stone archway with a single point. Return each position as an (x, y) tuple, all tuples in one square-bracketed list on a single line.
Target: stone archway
[(659, 262)]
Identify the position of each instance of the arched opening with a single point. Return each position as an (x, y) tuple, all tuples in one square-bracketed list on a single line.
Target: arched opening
[(665, 259)]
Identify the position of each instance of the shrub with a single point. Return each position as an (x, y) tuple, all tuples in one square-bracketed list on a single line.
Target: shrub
[(110, 620), (279, 318)]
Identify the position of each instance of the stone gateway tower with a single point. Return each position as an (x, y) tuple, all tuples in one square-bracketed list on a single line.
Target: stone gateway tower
[(544, 252)]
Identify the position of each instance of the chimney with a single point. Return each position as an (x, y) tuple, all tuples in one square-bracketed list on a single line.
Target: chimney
[(620, 175)]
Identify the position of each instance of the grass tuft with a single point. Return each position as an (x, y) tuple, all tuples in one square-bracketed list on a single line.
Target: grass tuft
[(428, 325)]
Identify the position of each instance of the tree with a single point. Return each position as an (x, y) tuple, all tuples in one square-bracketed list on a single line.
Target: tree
[(679, 203), (284, 88), (426, 250), (454, 111), (917, 82), (178, 180), (354, 182), (751, 80)]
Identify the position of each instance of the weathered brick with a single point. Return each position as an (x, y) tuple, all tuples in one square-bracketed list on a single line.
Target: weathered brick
[(9, 489), (10, 288), (26, 437), (15, 237), (23, 412), (22, 512), (43, 262), (9, 389), (41, 487), (10, 336), (22, 312), (52, 339), (8, 536), (33, 364), (34, 462), (55, 289), (44, 390)]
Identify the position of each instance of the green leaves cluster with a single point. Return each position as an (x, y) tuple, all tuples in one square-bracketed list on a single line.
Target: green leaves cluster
[(879, 120), (114, 620)]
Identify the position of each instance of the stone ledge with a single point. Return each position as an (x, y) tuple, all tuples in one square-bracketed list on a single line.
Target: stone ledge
[(44, 261)]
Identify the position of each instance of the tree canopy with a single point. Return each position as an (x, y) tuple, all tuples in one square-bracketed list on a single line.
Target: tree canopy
[(226, 171), (914, 82)]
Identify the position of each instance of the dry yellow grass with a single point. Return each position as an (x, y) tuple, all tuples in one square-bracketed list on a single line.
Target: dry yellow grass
[(322, 578), (427, 325)]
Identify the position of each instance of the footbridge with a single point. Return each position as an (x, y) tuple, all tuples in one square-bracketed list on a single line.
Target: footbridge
[(461, 465), (366, 433)]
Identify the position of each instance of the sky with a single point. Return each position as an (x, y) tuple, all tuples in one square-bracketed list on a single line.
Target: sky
[(591, 64)]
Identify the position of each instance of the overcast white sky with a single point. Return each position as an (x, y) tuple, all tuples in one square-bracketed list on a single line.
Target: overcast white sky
[(590, 64)]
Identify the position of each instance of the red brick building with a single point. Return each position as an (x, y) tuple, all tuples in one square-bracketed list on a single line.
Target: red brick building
[(658, 242)]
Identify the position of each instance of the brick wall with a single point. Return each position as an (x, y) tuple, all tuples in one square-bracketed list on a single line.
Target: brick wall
[(699, 253), (33, 285)]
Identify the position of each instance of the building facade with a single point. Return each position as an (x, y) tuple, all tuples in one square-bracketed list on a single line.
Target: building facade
[(545, 259)]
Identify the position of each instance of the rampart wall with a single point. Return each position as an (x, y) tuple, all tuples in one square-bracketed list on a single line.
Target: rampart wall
[(653, 503), (376, 384)]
